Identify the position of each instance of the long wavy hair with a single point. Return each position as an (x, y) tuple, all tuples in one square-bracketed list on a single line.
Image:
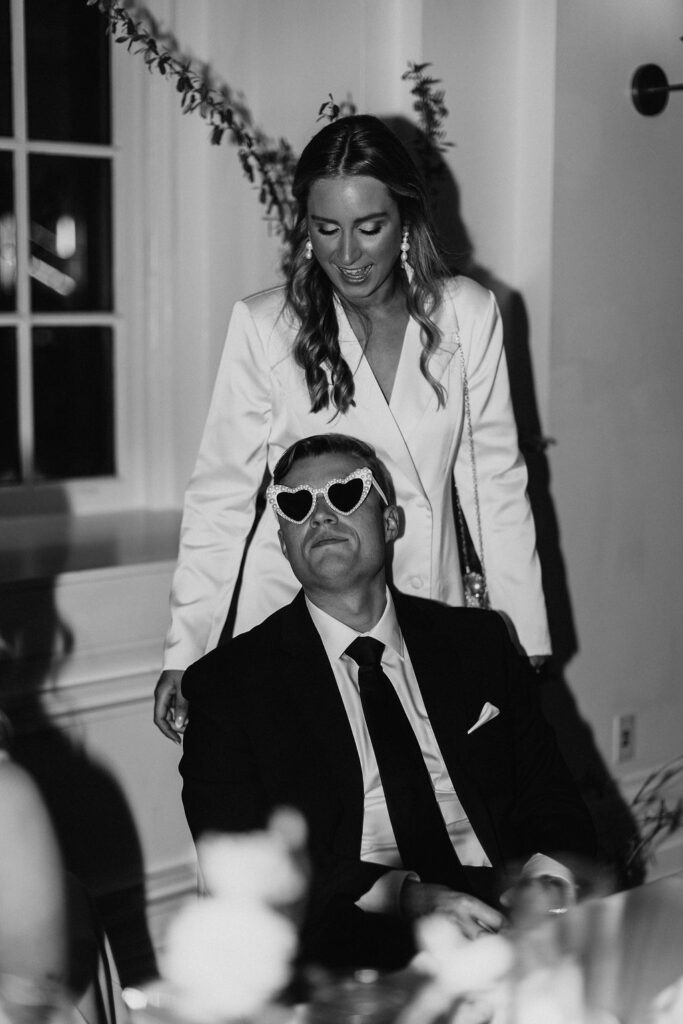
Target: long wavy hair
[(358, 145)]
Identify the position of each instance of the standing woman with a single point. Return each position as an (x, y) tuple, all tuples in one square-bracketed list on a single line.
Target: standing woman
[(369, 337)]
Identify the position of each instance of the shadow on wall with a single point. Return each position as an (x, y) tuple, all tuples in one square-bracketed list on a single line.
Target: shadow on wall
[(614, 822), (89, 811)]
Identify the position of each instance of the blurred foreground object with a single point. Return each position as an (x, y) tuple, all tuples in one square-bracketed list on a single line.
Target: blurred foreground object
[(230, 954), (56, 966), (611, 960), (33, 914), (362, 997)]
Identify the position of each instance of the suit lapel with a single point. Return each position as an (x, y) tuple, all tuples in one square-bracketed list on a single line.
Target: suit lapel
[(316, 698), (315, 694), (442, 684)]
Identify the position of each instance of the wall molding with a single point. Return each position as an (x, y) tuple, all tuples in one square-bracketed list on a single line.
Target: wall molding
[(136, 914), (168, 889)]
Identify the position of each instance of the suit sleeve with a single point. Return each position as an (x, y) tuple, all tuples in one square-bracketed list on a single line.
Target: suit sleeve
[(509, 537), (222, 791), (221, 495)]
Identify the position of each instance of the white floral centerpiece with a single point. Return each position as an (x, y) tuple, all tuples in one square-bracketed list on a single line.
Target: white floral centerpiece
[(230, 953)]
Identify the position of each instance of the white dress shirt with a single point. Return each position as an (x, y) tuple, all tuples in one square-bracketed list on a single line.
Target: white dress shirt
[(378, 843)]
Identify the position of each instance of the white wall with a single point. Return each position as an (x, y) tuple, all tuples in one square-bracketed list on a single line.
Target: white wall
[(616, 365), (497, 65), (574, 200)]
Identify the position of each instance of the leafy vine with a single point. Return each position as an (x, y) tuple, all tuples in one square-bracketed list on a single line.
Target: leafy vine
[(656, 816), (431, 142), (268, 164)]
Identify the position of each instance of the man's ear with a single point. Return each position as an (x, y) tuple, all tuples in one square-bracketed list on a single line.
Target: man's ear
[(283, 547), (391, 523)]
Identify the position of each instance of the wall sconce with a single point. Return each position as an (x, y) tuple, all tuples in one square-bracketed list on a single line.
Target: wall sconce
[(650, 89)]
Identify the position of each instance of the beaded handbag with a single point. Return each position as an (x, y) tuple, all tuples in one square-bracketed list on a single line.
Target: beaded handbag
[(472, 562)]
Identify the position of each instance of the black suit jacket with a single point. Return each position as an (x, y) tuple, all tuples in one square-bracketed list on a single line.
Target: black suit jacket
[(267, 728)]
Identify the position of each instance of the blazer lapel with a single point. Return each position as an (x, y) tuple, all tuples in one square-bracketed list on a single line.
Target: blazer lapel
[(315, 694), (371, 405), (413, 396), (442, 684), (394, 423)]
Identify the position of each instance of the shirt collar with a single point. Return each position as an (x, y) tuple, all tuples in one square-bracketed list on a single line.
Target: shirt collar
[(336, 636)]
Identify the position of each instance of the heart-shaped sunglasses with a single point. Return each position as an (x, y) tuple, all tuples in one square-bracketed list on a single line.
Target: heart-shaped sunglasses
[(344, 496)]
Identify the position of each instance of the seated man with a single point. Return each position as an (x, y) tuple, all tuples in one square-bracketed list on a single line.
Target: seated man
[(407, 732)]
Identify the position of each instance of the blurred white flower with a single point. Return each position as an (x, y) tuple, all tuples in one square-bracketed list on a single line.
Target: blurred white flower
[(668, 1006), (255, 866), (551, 995), (469, 979), (230, 953), (226, 959), (461, 965)]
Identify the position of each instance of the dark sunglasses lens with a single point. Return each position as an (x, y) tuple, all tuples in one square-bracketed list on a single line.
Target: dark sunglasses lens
[(295, 506), (346, 496)]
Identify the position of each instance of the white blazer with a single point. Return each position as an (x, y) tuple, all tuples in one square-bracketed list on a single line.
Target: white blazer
[(261, 405)]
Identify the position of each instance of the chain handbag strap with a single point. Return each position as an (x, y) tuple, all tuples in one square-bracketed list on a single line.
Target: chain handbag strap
[(476, 589)]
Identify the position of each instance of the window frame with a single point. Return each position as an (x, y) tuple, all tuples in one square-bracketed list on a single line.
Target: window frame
[(129, 316)]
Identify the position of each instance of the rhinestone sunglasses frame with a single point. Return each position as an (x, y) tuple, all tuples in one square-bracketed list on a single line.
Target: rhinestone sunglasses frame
[(364, 473)]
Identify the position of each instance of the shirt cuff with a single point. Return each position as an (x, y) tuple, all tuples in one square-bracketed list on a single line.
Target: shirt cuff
[(385, 895)]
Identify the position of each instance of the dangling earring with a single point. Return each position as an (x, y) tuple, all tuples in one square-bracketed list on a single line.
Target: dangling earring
[(308, 249), (405, 249)]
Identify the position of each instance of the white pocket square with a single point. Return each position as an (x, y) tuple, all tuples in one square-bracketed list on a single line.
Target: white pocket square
[(488, 712)]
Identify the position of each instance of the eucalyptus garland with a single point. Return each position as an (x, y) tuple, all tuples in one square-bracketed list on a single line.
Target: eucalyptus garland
[(267, 163)]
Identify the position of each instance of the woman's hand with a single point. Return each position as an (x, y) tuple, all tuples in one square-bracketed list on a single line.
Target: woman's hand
[(170, 707), (472, 916)]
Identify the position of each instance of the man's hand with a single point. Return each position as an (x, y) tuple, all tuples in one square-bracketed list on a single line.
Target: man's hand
[(472, 917), (170, 707)]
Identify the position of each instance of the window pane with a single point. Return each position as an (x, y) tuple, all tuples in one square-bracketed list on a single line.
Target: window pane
[(5, 70), (10, 463), (8, 236), (70, 210), (67, 71), (73, 402)]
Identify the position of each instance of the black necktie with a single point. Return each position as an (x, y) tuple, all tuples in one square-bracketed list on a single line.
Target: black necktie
[(421, 835)]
